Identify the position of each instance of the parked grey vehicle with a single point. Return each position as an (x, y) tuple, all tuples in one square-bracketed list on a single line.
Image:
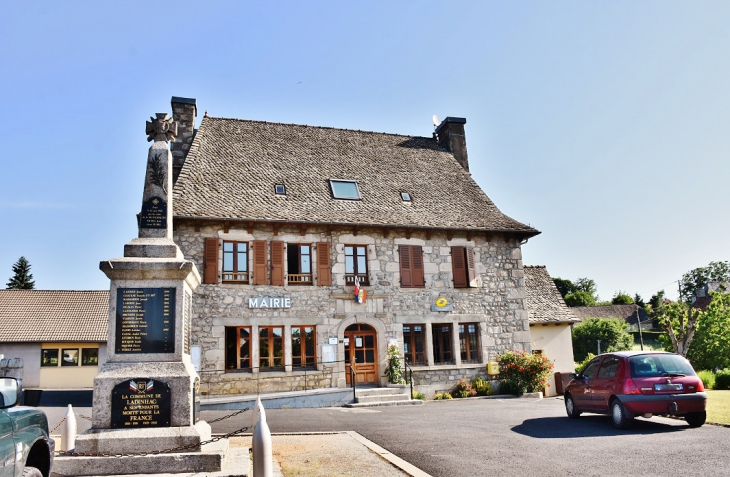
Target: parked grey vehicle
[(26, 448)]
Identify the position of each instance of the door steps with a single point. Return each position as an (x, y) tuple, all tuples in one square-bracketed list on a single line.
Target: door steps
[(372, 397)]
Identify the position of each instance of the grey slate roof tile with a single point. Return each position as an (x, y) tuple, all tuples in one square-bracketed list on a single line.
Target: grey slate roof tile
[(544, 302), (233, 165), (53, 315)]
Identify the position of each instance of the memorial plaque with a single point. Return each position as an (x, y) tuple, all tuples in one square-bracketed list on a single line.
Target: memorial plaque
[(154, 213), (145, 320), (140, 403)]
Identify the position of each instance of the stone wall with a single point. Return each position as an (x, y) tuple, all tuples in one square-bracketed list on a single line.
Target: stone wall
[(220, 383), (495, 300)]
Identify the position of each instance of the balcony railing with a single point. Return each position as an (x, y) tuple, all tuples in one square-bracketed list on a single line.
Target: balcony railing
[(235, 277), (350, 279), (299, 279)]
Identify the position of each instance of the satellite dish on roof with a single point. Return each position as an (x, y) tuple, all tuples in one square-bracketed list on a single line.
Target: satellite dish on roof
[(436, 121)]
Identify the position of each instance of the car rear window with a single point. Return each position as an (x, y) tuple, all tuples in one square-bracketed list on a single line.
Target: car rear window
[(655, 365)]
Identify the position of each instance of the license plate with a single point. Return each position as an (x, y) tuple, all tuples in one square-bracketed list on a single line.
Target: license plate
[(669, 387)]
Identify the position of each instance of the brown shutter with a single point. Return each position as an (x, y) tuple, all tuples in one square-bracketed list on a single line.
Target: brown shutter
[(210, 274), (417, 260), (259, 262), (459, 267), (324, 270), (277, 263), (406, 273), (470, 267)]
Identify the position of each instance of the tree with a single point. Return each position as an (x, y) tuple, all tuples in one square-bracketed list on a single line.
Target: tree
[(565, 286), (698, 278), (587, 285), (680, 324), (22, 278), (614, 335), (580, 298), (710, 348), (639, 301), (622, 298)]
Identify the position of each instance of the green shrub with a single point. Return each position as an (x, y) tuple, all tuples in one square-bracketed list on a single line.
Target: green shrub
[(529, 372), (708, 378), (440, 396), (582, 364), (418, 395), (394, 371), (509, 386), (463, 389), (481, 386), (722, 379)]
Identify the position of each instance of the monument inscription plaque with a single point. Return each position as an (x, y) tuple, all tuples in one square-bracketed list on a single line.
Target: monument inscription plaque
[(154, 213), (145, 320), (140, 403)]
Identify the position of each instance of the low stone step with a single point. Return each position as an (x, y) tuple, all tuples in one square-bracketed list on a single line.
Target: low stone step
[(412, 402), (381, 391), (381, 397)]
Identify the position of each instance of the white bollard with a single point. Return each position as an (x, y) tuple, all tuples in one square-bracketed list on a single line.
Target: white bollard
[(254, 419), (263, 457), (68, 431)]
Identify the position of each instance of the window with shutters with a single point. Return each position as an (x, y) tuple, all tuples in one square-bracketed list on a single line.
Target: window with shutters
[(411, 266), (299, 264), (303, 347), (356, 264), (238, 348), (462, 261), (413, 344), (442, 343), (271, 348), (210, 273), (235, 262), (469, 343)]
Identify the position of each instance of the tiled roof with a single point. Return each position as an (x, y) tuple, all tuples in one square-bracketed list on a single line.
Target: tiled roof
[(627, 313), (53, 315), (233, 166), (544, 302)]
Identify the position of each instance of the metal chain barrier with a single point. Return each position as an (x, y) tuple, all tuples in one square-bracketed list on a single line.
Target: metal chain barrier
[(165, 451), (57, 426)]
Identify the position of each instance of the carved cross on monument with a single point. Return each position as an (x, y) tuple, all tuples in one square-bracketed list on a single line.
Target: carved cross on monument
[(162, 128)]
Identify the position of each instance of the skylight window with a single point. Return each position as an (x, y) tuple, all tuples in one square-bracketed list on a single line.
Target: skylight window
[(405, 196), (280, 189), (342, 189)]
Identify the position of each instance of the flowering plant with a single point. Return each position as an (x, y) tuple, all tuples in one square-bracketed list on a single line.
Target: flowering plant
[(525, 372)]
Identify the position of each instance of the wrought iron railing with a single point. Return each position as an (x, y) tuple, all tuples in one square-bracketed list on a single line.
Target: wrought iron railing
[(363, 278), (299, 279)]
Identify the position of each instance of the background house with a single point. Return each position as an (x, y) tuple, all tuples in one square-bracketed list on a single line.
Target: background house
[(550, 322), (60, 335)]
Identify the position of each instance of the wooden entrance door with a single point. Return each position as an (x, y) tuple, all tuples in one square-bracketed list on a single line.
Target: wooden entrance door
[(361, 349)]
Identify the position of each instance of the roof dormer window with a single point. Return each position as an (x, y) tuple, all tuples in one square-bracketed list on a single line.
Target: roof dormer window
[(280, 189), (342, 189), (405, 196)]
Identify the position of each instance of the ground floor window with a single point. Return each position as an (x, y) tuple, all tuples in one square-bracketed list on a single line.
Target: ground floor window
[(69, 356), (238, 347), (303, 347), (442, 348), (271, 348), (469, 342), (413, 339)]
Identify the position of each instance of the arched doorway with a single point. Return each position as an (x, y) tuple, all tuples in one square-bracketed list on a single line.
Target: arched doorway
[(361, 350)]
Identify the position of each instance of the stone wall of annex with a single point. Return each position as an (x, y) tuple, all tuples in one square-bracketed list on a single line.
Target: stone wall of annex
[(496, 299)]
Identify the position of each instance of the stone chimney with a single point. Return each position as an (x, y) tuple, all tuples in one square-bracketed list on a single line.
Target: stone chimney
[(184, 111), (450, 134)]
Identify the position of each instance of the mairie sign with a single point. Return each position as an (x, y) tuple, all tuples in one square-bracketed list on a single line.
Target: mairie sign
[(269, 302)]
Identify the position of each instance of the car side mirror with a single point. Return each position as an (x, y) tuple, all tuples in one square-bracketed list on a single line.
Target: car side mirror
[(9, 392), (573, 375)]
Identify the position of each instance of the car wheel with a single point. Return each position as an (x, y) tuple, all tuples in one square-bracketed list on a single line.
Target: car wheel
[(696, 419), (570, 408), (619, 416), (31, 472)]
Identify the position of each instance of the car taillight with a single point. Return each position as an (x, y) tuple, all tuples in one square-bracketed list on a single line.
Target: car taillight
[(630, 387), (700, 386)]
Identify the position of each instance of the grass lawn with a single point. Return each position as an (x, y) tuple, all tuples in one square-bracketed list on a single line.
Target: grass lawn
[(718, 406)]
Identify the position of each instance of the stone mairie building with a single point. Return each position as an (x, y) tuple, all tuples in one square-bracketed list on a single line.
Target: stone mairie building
[(283, 219)]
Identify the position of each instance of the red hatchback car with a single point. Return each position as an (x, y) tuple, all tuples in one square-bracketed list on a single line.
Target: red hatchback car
[(630, 384)]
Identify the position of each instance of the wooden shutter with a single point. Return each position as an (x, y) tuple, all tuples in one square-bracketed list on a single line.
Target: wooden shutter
[(277, 263), (417, 261), (458, 265), (210, 273), (324, 270), (471, 272), (406, 273), (259, 262)]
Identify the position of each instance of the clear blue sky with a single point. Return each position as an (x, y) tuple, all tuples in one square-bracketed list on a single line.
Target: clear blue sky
[(605, 124)]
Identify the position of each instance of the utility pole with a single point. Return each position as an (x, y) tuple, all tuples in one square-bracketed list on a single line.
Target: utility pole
[(638, 322), (599, 346)]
